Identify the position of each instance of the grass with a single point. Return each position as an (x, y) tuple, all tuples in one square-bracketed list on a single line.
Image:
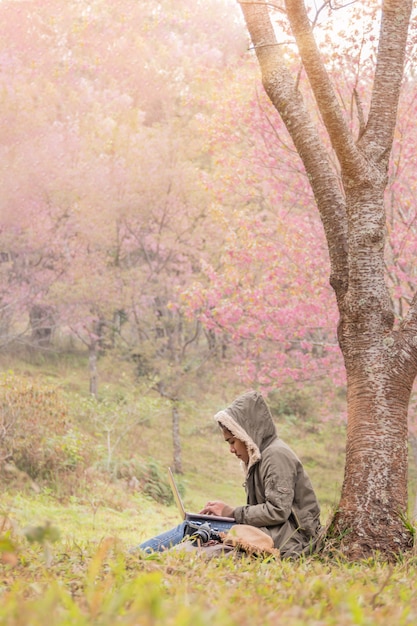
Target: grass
[(102, 584), (88, 522), (88, 576)]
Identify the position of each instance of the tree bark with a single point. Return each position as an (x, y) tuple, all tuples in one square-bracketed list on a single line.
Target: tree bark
[(413, 443), (381, 363)]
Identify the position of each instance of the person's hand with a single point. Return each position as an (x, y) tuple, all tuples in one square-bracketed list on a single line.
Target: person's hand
[(217, 507)]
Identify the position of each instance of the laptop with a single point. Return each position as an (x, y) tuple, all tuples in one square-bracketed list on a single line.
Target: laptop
[(217, 522)]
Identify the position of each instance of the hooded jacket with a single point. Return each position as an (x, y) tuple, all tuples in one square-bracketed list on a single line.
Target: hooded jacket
[(280, 497)]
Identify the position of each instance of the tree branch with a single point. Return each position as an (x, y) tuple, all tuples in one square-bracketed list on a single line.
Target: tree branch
[(388, 77), (264, 2), (282, 90), (409, 324), (350, 159), (359, 108)]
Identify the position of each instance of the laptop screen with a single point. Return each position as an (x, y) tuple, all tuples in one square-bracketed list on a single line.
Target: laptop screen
[(176, 493)]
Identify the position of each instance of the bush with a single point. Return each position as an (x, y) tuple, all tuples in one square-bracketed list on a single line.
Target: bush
[(36, 435), (293, 403)]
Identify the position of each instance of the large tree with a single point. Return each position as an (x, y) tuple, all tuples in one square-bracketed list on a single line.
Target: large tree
[(379, 351)]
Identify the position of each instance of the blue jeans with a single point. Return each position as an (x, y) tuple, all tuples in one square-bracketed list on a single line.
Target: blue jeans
[(165, 540), (172, 537)]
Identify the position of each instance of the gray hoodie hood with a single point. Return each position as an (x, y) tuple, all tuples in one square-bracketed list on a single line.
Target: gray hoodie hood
[(249, 419)]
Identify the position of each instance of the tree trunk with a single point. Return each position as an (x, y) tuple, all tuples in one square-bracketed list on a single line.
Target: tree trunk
[(413, 442), (177, 461), (43, 324), (374, 493), (92, 364), (380, 375), (381, 363)]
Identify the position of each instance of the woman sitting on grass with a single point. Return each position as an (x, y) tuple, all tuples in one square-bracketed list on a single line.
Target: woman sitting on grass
[(280, 498)]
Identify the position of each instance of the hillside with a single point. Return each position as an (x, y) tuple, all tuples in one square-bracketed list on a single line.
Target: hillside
[(121, 444), (65, 533)]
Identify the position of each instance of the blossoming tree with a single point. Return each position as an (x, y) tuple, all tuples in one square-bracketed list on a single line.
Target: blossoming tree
[(380, 356)]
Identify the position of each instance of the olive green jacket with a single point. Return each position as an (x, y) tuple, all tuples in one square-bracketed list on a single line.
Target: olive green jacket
[(280, 498)]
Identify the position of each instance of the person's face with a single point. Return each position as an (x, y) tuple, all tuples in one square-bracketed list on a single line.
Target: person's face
[(237, 446)]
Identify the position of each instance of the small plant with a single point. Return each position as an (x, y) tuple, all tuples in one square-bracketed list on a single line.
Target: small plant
[(146, 476), (114, 418), (45, 535), (154, 480), (8, 550)]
